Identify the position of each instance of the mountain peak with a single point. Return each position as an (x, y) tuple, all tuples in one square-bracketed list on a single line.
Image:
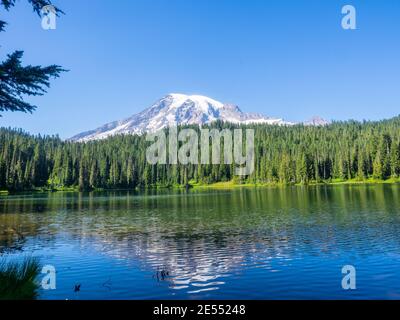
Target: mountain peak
[(200, 101), (316, 121), (176, 109)]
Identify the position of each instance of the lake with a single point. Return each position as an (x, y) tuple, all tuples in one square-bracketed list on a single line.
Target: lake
[(248, 243)]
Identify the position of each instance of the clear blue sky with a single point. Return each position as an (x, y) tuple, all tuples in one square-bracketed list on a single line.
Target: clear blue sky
[(287, 59)]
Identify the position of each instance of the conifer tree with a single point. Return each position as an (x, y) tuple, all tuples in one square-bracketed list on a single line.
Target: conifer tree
[(17, 80)]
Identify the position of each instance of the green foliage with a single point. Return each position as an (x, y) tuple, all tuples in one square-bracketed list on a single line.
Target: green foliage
[(342, 151), (17, 280), (16, 80), (37, 5)]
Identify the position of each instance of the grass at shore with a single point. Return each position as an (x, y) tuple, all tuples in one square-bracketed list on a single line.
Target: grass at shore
[(232, 184), (17, 280), (221, 185), (226, 185)]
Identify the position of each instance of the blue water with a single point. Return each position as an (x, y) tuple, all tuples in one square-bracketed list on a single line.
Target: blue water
[(252, 243)]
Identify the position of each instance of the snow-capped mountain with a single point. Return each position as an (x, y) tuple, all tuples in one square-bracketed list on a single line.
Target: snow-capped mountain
[(177, 109), (316, 121)]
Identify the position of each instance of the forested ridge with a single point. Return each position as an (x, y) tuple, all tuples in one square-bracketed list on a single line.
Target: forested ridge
[(284, 154)]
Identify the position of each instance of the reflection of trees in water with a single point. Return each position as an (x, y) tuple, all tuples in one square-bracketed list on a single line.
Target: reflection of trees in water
[(199, 237), (11, 240), (20, 221)]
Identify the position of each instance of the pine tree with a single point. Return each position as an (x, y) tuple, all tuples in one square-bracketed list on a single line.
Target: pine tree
[(301, 169), (361, 168), (378, 167), (83, 177), (16, 80), (395, 161), (284, 169)]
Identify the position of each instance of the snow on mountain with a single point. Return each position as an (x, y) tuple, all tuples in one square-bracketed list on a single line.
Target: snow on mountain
[(316, 121), (173, 110)]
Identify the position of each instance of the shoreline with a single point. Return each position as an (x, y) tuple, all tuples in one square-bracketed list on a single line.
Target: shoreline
[(217, 185), (231, 185)]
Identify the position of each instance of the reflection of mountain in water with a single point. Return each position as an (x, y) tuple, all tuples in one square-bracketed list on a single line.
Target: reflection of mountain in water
[(200, 259), (194, 240)]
